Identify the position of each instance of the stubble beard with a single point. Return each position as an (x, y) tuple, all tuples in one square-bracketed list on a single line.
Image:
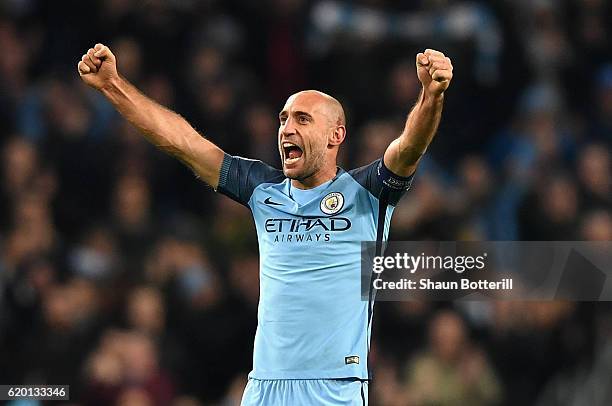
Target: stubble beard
[(310, 170)]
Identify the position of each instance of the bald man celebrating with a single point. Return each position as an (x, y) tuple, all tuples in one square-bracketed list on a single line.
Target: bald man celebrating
[(313, 332)]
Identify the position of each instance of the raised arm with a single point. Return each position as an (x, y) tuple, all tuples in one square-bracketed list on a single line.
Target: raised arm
[(164, 128), (435, 72)]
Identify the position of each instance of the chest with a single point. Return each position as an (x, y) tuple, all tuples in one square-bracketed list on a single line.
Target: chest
[(334, 214)]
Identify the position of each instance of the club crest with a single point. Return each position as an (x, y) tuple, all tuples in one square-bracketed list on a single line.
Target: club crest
[(332, 203)]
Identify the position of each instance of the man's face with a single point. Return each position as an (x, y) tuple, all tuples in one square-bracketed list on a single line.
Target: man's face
[(303, 135)]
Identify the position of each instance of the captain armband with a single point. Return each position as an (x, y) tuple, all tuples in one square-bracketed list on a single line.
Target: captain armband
[(391, 180)]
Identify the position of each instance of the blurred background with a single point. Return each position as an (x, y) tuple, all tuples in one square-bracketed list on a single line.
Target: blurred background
[(125, 277)]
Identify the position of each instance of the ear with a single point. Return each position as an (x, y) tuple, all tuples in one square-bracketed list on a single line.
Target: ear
[(337, 137)]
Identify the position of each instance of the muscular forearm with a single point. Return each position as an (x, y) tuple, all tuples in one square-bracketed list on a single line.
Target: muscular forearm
[(404, 153), (165, 129), (420, 128)]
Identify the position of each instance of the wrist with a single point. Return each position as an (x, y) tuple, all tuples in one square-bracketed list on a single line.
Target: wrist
[(111, 86), (431, 98)]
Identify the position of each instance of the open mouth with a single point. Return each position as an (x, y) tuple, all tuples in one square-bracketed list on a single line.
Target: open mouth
[(292, 153)]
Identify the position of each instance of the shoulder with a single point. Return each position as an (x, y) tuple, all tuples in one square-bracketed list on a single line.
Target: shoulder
[(240, 176)]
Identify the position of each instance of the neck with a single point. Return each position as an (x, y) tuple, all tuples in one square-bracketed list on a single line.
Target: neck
[(316, 179)]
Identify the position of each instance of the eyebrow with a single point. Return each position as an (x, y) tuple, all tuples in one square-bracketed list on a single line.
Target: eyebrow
[(295, 113)]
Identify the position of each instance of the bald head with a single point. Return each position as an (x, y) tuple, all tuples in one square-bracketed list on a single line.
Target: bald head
[(331, 106)]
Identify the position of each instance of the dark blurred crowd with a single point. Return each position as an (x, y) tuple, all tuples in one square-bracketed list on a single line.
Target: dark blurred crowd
[(127, 278)]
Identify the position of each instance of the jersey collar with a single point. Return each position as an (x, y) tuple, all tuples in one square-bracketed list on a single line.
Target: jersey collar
[(289, 188)]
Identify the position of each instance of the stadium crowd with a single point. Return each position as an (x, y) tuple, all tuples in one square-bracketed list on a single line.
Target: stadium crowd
[(127, 278)]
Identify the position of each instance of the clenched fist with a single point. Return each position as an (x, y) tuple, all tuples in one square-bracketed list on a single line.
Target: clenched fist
[(98, 67), (434, 70)]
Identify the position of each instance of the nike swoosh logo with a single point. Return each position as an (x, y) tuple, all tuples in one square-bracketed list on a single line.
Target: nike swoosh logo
[(270, 202)]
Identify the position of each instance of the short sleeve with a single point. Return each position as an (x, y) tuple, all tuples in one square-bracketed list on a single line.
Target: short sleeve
[(381, 182), (240, 176)]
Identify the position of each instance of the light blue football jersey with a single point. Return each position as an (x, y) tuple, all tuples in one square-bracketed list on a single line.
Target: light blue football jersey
[(312, 321)]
